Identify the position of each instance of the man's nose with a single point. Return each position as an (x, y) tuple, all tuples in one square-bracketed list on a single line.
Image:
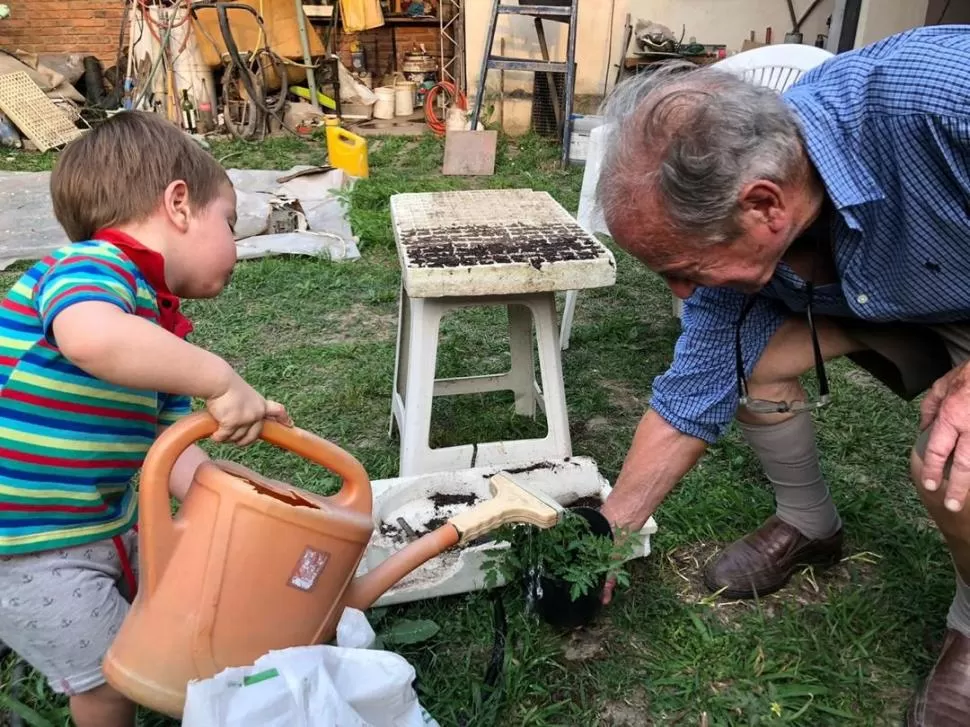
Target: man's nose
[(683, 289)]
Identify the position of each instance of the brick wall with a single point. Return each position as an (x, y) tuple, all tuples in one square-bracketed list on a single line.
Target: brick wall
[(379, 49), (89, 27)]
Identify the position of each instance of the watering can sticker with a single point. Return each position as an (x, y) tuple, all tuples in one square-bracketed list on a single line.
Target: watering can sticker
[(308, 570)]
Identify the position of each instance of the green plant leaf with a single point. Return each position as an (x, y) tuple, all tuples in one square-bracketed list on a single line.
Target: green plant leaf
[(406, 632), (376, 615), (28, 715)]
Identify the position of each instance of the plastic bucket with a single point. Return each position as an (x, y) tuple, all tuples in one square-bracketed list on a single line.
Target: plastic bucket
[(384, 108), (581, 127), (404, 98)]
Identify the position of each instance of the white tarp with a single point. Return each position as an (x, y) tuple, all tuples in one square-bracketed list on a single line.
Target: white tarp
[(28, 230)]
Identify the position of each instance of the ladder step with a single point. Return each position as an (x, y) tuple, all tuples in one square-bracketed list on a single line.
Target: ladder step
[(551, 11), (524, 64)]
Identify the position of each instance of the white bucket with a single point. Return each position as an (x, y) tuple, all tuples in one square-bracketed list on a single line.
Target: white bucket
[(579, 138), (404, 98), (384, 108)]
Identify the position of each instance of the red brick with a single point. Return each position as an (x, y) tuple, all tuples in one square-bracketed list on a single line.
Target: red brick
[(81, 26)]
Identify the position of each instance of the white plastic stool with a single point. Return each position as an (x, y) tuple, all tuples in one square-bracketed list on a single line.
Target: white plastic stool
[(512, 248), (416, 385)]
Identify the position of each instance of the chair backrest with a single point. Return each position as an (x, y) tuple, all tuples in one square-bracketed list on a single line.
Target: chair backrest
[(774, 66)]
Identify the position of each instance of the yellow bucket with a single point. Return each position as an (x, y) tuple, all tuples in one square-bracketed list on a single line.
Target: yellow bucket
[(347, 151)]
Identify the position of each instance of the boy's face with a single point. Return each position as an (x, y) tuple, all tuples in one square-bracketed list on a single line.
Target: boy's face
[(207, 249)]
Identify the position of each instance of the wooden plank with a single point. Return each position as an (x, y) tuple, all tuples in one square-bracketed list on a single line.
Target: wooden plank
[(318, 11), (470, 153)]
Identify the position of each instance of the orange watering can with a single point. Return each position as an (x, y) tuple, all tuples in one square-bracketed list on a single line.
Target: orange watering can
[(249, 564)]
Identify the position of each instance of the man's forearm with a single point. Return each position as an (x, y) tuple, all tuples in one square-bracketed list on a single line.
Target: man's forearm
[(659, 457)]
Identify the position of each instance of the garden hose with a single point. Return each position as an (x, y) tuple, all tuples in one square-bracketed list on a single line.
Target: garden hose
[(240, 70), (459, 98), (496, 662)]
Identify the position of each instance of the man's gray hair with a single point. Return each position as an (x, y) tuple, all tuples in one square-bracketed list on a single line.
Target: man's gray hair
[(692, 138)]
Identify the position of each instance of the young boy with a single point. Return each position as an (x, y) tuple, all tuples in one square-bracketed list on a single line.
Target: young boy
[(93, 363)]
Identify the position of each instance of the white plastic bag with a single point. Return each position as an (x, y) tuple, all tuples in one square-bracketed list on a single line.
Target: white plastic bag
[(313, 686)]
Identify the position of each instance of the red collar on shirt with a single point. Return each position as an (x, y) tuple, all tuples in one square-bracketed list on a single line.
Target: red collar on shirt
[(152, 266)]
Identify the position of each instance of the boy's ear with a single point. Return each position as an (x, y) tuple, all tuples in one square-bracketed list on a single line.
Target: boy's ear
[(176, 204)]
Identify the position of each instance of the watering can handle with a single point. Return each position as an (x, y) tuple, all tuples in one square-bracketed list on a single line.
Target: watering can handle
[(156, 529)]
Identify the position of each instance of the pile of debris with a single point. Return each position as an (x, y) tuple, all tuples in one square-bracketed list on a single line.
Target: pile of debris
[(40, 107)]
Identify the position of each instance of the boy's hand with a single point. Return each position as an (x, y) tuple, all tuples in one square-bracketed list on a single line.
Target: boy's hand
[(240, 412)]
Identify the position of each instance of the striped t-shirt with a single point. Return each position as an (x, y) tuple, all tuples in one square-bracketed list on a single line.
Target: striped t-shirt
[(70, 444)]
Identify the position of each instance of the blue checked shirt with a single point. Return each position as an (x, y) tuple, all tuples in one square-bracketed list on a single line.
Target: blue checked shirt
[(888, 128)]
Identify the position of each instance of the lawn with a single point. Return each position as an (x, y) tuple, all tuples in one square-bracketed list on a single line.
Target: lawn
[(846, 646)]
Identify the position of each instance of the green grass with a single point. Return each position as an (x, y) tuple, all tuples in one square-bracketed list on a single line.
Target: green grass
[(837, 648)]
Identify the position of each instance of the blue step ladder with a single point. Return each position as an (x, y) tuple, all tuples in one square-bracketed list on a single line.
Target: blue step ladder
[(566, 11)]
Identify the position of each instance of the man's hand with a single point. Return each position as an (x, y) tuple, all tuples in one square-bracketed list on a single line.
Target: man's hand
[(614, 515), (240, 411), (947, 409)]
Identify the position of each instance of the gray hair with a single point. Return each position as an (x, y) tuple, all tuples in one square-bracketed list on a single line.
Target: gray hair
[(693, 138)]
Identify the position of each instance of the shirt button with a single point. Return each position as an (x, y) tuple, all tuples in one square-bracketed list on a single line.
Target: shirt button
[(862, 299)]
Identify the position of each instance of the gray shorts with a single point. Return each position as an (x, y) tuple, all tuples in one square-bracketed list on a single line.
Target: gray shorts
[(60, 609)]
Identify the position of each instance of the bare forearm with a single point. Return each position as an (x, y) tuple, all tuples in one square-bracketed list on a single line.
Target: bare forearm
[(130, 351), (658, 459), (183, 472)]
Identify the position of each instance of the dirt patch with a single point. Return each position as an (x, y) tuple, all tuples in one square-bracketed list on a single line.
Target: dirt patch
[(586, 644), (628, 712), (861, 377), (357, 324), (622, 396), (684, 568)]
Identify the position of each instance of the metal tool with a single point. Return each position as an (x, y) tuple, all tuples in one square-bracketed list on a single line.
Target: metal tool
[(795, 34)]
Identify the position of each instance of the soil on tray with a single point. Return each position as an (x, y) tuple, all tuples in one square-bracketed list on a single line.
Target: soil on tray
[(483, 245), (442, 500), (592, 502), (439, 500)]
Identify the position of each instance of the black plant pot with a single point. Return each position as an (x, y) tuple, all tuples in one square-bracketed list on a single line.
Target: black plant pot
[(551, 595)]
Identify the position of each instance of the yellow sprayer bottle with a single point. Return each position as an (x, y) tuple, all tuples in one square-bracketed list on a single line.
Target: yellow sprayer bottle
[(347, 151)]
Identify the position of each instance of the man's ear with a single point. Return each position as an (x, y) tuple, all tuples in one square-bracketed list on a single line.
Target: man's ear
[(176, 204), (763, 202)]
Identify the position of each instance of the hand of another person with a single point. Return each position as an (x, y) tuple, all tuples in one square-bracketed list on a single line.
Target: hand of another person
[(946, 409)]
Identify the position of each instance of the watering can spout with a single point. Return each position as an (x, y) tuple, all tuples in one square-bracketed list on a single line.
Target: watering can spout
[(511, 503), (366, 589)]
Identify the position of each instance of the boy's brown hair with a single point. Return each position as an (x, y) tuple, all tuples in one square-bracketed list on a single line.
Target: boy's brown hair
[(118, 172)]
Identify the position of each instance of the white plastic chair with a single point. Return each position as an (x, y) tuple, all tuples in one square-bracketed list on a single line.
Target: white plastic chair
[(774, 66)]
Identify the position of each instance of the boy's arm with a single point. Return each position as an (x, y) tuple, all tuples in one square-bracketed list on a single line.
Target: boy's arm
[(113, 345), (184, 471)]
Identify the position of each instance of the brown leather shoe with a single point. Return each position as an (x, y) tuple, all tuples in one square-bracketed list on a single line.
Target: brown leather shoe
[(762, 562), (944, 700)]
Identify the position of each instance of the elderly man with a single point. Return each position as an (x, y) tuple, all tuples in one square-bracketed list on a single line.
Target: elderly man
[(830, 221)]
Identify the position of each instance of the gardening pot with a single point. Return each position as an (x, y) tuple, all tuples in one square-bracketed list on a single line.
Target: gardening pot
[(551, 595)]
